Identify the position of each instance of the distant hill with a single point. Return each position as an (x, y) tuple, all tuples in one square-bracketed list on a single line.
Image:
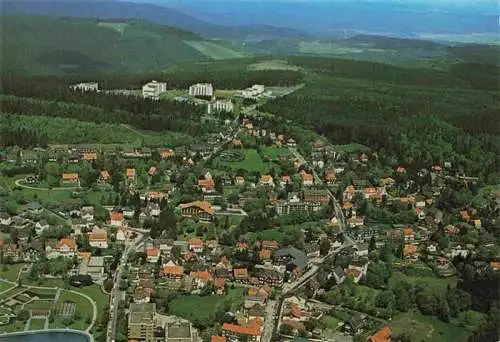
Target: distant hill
[(45, 45), (112, 9)]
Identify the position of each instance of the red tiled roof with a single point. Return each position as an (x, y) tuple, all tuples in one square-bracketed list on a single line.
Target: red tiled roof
[(196, 242), (105, 175), (201, 275), (265, 254), (383, 335), (173, 270), (98, 236), (220, 283), (152, 170), (152, 252), (409, 250), (68, 242), (218, 339), (240, 272), (130, 173), (116, 216), (252, 328), (203, 205), (70, 176), (89, 156), (208, 184)]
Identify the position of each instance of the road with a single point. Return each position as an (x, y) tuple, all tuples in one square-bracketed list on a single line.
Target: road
[(272, 316), (116, 294)]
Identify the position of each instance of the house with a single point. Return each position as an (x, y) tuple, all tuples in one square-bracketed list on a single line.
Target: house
[(349, 194), (264, 254), (389, 182), (153, 89), (121, 235), (152, 255), (64, 247), (408, 235), (353, 272), (307, 178), (291, 257), (236, 143), (40, 226), (321, 196), (220, 286), (240, 275), (201, 209), (11, 251), (242, 246), (285, 180), (172, 271), (130, 173), (432, 248), (295, 205), (239, 180), (330, 177), (250, 332), (89, 156), (201, 89), (383, 335), (312, 250), (206, 185), (167, 153), (218, 339), (410, 252), (117, 219), (70, 179), (201, 278), (401, 170), (152, 171), (98, 239), (33, 251), (266, 180), (269, 244), (104, 177), (196, 245), (338, 274)]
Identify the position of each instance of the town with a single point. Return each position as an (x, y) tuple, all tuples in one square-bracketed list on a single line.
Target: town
[(262, 231)]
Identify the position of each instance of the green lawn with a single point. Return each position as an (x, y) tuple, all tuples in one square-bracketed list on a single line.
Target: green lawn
[(45, 282), (42, 293), (15, 326), (39, 304), (84, 310), (11, 292), (97, 295), (214, 50), (366, 294), (37, 324), (427, 328), (252, 162), (275, 152), (10, 272), (438, 285), (4, 286), (201, 309), (351, 148), (331, 322)]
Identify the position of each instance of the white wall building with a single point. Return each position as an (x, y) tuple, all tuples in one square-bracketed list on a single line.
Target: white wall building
[(201, 89), (255, 91), (153, 89), (220, 106), (86, 86)]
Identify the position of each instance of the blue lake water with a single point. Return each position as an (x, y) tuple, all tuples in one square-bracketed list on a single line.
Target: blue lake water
[(46, 336)]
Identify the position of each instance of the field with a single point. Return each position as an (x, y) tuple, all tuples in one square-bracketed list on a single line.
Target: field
[(350, 148), (83, 310), (326, 48), (213, 50), (39, 304), (252, 162), (97, 295), (37, 324), (275, 152), (331, 322), (202, 308), (10, 272), (46, 282), (118, 27), (427, 328), (438, 285), (273, 64), (4, 286)]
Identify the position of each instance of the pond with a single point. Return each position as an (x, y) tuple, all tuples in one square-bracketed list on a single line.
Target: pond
[(46, 336)]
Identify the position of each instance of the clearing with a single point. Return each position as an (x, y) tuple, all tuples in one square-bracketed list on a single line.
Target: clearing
[(252, 162), (10, 272), (273, 64), (436, 284), (213, 50)]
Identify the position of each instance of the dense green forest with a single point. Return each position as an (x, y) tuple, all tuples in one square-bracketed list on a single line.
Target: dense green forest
[(435, 119), (44, 45)]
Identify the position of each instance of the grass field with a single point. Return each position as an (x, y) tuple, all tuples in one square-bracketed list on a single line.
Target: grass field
[(213, 50), (97, 295), (252, 162), (11, 292), (275, 152), (10, 272), (37, 324), (438, 285), (15, 326), (427, 328), (326, 48), (4, 286), (39, 304), (273, 64), (331, 322), (118, 27), (45, 282), (350, 148), (83, 308), (202, 308)]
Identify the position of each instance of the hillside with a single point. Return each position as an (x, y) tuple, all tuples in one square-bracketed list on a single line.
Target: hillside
[(45, 45)]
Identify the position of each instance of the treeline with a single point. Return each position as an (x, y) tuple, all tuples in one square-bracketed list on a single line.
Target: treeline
[(112, 109), (22, 137)]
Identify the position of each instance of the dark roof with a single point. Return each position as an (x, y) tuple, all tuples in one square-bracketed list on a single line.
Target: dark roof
[(311, 247), (339, 271), (298, 256)]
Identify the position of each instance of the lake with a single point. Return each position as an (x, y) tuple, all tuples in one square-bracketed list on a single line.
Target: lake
[(46, 336)]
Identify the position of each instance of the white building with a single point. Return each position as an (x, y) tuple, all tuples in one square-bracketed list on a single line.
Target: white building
[(255, 91), (220, 106), (88, 86), (153, 89), (201, 89)]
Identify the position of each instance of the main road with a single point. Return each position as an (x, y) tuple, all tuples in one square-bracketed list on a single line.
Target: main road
[(273, 307), (116, 293)]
